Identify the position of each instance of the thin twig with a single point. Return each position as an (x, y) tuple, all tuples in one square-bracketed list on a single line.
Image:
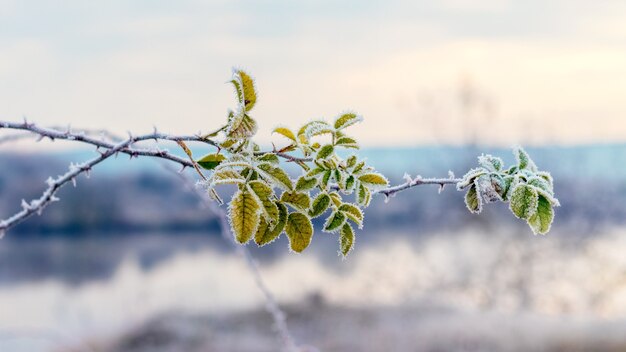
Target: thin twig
[(53, 134), (48, 196), (418, 181)]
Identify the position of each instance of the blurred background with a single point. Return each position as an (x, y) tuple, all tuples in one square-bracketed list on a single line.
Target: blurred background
[(131, 259)]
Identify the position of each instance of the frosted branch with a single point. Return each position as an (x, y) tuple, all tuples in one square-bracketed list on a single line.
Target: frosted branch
[(48, 196)]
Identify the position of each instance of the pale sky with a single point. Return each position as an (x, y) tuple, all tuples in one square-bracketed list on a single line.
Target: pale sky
[(531, 72)]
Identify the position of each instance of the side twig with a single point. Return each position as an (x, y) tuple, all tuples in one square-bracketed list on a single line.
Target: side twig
[(48, 196)]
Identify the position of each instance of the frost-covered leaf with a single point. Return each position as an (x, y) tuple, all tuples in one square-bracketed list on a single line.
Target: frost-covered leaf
[(523, 201), (242, 128), (276, 175), (346, 239), (351, 161), (300, 201), (489, 187), (246, 85), (320, 204), (473, 200), (373, 180), (338, 176), (346, 120), (316, 128), (358, 167), (286, 133), (269, 158), (541, 221), (336, 198), (541, 184), (226, 176), (523, 160), (299, 231), (347, 142), (490, 162), (353, 213), (469, 177), (244, 215), (306, 183), (349, 184), (325, 151), (507, 183), (326, 178), (335, 221), (264, 193), (546, 176), (267, 234), (363, 196), (315, 172), (228, 143), (210, 161)]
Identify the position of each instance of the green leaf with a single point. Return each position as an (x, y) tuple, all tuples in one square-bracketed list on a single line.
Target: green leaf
[(243, 212), (358, 167), (335, 221), (349, 184), (300, 201), (228, 143), (264, 192), (347, 142), (469, 177), (507, 184), (247, 86), (299, 231), (353, 213), (226, 176), (325, 152), (524, 201), (541, 221), (286, 133), (541, 184), (326, 179), (363, 196), (270, 158), (210, 161), (338, 177), (373, 180), (490, 162), (336, 198), (275, 174), (546, 176), (242, 128), (266, 234), (315, 172), (320, 204), (351, 161), (347, 120), (316, 128), (473, 201), (306, 183), (346, 239), (523, 160)]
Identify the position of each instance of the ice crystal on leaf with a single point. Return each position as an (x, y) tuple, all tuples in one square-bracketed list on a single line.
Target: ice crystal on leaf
[(529, 191)]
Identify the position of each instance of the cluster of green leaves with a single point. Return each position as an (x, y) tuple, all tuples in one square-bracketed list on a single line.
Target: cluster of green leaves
[(529, 191), (268, 201)]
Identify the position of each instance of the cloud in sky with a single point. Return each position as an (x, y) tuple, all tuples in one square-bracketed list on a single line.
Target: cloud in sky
[(419, 71)]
